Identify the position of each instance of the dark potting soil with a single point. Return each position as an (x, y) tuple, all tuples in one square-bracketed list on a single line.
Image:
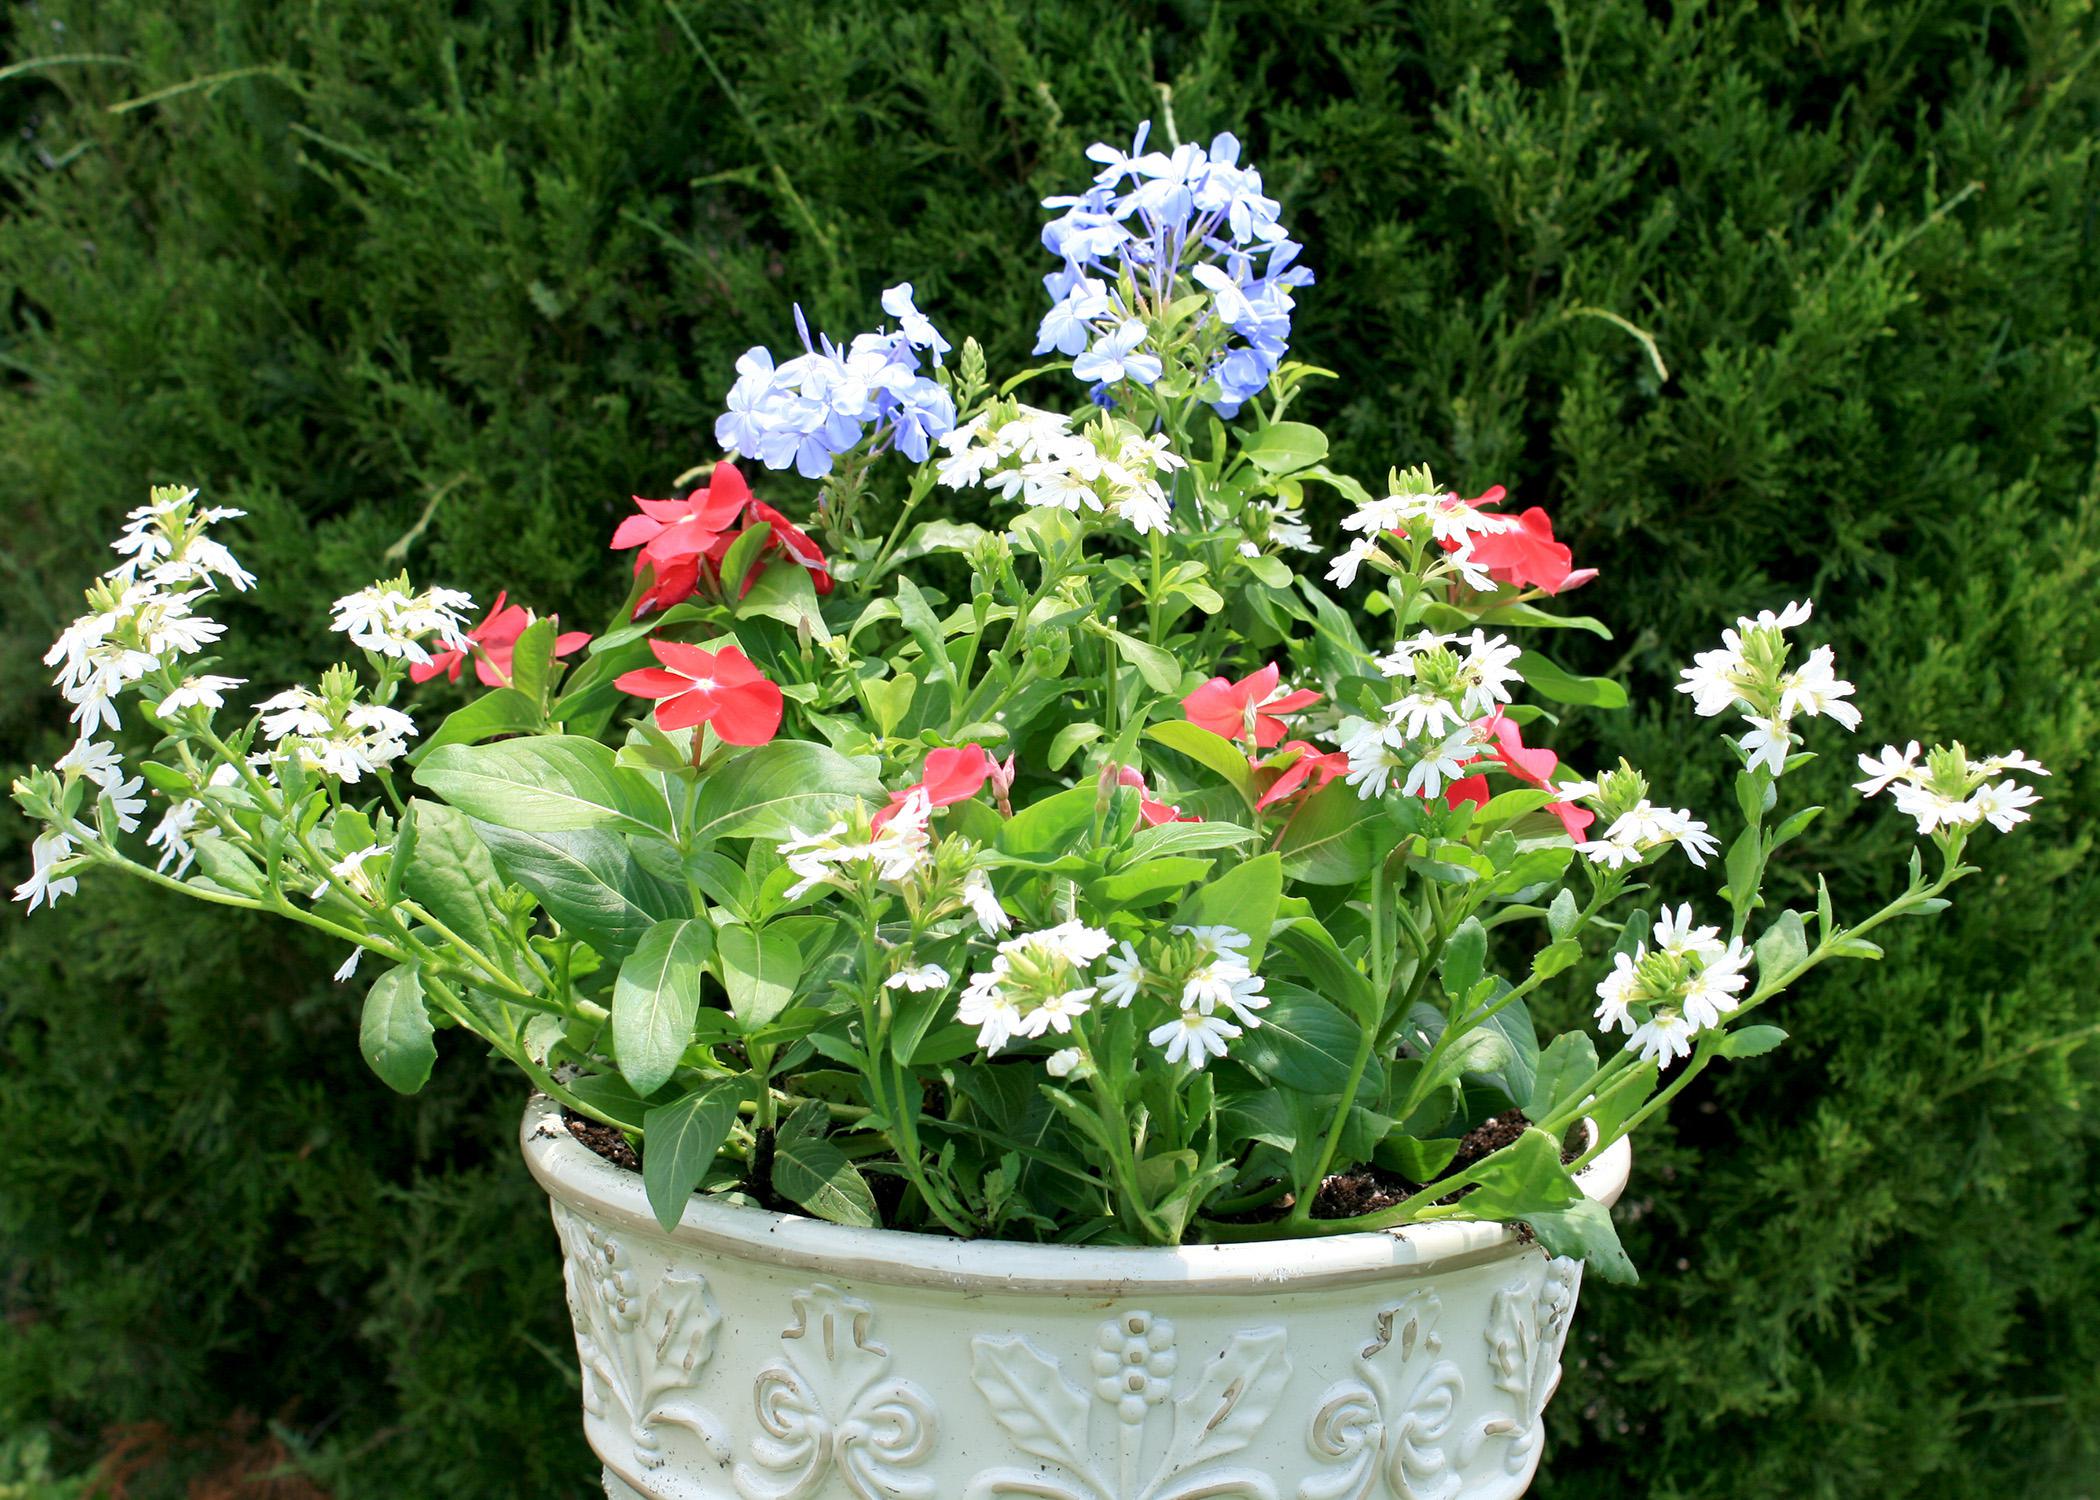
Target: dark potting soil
[(1345, 1195)]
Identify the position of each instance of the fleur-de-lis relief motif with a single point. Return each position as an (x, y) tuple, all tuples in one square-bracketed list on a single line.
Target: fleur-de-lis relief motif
[(829, 1409), (1133, 1363), (1389, 1428), (638, 1349), (1527, 1325)]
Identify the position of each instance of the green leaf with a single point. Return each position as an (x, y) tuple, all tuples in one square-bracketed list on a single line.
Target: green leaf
[(553, 783), (1751, 1041), (742, 556), (1563, 914), (451, 875), (1584, 1231), (1302, 1043), (655, 1000), (1569, 1062), (1521, 1180), (786, 594), (588, 880), (760, 969), (1334, 838), (1782, 945), (1548, 680), (532, 659), (925, 628), (395, 1032), (1418, 1161), (1285, 447), (1159, 669), (1185, 838), (769, 791), (811, 1171), (1320, 960), (1465, 958), (1212, 751), (227, 867), (1621, 1097), (1245, 897), (1147, 881), (503, 710), (681, 1140), (1050, 826), (1072, 737)]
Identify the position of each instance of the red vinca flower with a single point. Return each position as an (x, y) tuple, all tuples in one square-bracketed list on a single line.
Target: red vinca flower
[(1311, 770), (1150, 809), (720, 689), (1521, 550), (495, 645), (1252, 708), (948, 777), (686, 540), (1531, 764)]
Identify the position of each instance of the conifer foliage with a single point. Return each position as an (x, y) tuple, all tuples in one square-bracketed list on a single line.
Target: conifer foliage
[(1758, 301)]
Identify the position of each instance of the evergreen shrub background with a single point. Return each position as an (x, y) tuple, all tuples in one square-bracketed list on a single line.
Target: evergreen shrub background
[(455, 280)]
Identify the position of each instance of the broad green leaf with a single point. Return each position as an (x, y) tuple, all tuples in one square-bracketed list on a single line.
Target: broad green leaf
[(1563, 914), (811, 1171), (1285, 447), (742, 556), (1185, 838), (395, 1032), (1244, 897), (1621, 1098), (588, 880), (1302, 1043), (1548, 680), (1212, 751), (532, 659), (1518, 1070), (655, 999), (1584, 1231), (549, 784), (1568, 1062), (1334, 838), (1783, 945), (1159, 669), (760, 969), (1071, 738), (226, 866), (610, 1095), (1465, 958), (767, 792), (1317, 958), (1418, 1161), (1522, 1179), (785, 593), (1751, 1041), (1147, 881), (502, 710), (451, 875), (680, 1142), (1051, 825)]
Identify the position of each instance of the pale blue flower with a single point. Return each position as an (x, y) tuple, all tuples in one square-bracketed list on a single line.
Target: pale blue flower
[(917, 327), (1066, 327), (1114, 357)]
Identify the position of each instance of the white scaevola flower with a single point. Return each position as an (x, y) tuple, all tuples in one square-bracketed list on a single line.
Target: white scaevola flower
[(1063, 1062), (1343, 567), (2002, 804), (350, 872), (1768, 743), (1933, 808), (1125, 977), (207, 691), (919, 979), (126, 802), (1715, 677), (1884, 766), (1663, 1038), (348, 966), (1193, 1036), (1056, 1012), (1787, 618), (1375, 754), (986, 1005), (2012, 760), (983, 902), (171, 836), (1074, 941), (1220, 977), (95, 760), (49, 857), (391, 619), (1814, 688), (1614, 850), (1681, 980), (1441, 764), (1615, 994)]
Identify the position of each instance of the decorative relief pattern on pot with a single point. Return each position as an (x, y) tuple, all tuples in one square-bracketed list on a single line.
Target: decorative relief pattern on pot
[(1527, 1325), (1388, 1431), (639, 1350), (830, 1409), (1124, 1435)]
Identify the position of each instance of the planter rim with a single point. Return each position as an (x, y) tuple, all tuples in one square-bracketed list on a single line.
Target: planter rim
[(573, 1174)]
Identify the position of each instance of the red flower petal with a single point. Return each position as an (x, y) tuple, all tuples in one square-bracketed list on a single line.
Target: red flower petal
[(687, 710), (686, 660), (748, 714), (652, 682)]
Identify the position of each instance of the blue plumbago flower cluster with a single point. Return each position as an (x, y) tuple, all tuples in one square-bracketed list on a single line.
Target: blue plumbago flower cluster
[(806, 411), (1150, 219)]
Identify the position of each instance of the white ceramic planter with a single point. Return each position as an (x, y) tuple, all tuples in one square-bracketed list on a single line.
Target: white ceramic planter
[(761, 1356)]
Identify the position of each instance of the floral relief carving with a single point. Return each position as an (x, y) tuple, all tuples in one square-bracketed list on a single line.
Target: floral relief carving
[(1527, 1326), (831, 1408), (640, 1350), (1125, 1435), (1388, 1430)]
